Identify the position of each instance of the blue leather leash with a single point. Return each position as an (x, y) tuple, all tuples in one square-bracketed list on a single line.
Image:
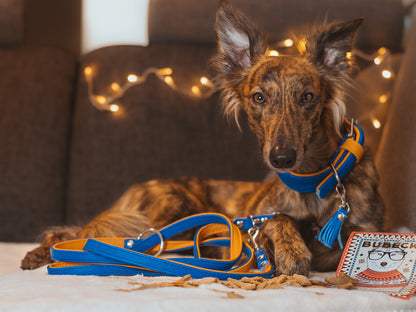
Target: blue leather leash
[(129, 256)]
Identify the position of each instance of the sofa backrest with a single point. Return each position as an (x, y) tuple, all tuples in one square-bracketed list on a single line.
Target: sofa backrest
[(189, 21), (36, 98), (11, 22)]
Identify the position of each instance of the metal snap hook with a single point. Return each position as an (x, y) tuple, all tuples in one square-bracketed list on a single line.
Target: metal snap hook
[(341, 190)]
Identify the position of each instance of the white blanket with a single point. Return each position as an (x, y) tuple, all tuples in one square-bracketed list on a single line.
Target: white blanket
[(38, 291)]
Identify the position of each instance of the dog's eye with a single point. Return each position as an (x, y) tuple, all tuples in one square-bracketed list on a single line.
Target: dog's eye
[(307, 97), (259, 98)]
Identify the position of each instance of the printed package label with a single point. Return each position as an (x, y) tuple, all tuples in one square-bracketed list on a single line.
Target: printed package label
[(384, 262)]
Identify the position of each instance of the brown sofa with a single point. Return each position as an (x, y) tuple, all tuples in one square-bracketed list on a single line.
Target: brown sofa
[(62, 160)]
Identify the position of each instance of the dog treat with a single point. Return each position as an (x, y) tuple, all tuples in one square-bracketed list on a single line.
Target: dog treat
[(230, 294), (291, 282), (318, 283), (340, 278), (341, 281), (205, 280), (302, 280), (239, 284)]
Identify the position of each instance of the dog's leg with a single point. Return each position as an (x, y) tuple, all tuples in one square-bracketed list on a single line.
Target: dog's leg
[(40, 256), (284, 244), (107, 224)]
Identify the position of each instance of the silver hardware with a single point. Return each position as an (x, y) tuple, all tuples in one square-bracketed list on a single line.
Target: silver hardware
[(341, 191), (261, 257), (239, 224), (254, 232), (341, 217), (352, 129), (264, 219), (162, 242), (256, 221), (130, 243)]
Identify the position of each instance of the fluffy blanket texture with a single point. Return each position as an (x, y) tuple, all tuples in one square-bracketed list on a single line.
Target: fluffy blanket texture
[(38, 291)]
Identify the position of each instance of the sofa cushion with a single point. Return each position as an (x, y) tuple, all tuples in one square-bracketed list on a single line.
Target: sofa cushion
[(36, 89), (397, 151), (11, 22), (158, 132), (280, 19)]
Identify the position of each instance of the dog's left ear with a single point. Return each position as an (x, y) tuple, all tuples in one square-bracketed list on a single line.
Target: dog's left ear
[(330, 46)]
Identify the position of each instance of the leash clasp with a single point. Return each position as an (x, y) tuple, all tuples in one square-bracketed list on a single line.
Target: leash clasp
[(341, 191), (253, 232)]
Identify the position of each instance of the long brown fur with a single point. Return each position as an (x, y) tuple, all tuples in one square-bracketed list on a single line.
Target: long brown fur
[(295, 106)]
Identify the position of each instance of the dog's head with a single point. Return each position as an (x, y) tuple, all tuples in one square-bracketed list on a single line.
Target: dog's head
[(294, 103)]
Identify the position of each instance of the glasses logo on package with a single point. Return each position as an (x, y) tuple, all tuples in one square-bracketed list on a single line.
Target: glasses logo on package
[(383, 262)]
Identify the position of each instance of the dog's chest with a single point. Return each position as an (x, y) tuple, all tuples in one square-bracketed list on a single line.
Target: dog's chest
[(299, 206)]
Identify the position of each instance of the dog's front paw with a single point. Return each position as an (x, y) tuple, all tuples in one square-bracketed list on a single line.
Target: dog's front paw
[(36, 258), (285, 246)]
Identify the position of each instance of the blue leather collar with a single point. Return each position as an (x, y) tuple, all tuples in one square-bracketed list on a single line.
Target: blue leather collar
[(324, 181)]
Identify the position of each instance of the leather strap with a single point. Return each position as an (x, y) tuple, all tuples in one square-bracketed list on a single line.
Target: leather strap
[(129, 256), (323, 182)]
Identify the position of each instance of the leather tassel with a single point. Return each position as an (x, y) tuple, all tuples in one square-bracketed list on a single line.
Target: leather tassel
[(332, 229)]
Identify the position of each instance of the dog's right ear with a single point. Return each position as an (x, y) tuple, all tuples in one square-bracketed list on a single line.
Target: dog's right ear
[(238, 40)]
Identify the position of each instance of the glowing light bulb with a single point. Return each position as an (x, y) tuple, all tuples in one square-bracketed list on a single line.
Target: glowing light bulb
[(288, 42), (195, 90), (114, 108), (386, 74), (88, 71), (273, 53), (376, 123), (165, 71), (101, 99), (349, 55), (132, 78), (382, 51), (168, 80), (115, 86), (204, 80), (377, 60), (383, 98)]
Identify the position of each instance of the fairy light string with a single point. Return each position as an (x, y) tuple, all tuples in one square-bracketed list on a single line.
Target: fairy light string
[(204, 87)]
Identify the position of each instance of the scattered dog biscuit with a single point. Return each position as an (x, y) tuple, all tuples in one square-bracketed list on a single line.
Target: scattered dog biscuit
[(230, 294), (341, 280)]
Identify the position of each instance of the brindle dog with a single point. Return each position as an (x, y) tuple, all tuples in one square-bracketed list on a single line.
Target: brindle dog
[(295, 106)]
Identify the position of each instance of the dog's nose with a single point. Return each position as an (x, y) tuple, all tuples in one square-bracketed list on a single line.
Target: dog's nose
[(282, 159), (383, 263)]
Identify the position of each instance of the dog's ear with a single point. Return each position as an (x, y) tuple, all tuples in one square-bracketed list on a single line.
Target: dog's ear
[(238, 40), (330, 45)]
